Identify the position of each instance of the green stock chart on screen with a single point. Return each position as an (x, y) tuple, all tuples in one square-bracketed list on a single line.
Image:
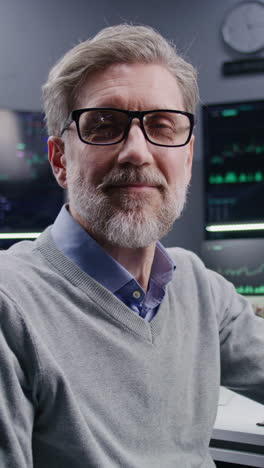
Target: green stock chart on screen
[(240, 261), (234, 163)]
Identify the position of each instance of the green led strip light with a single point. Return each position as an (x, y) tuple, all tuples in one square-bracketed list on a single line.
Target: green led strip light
[(19, 235), (235, 227)]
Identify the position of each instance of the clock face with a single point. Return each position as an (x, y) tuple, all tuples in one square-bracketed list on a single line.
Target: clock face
[(243, 27)]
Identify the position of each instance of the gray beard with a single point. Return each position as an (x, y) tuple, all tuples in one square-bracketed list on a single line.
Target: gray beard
[(125, 219)]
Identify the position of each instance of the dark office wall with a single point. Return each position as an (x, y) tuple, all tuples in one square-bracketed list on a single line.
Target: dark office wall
[(34, 34)]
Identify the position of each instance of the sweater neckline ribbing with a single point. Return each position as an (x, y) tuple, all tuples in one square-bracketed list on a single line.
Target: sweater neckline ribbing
[(106, 301)]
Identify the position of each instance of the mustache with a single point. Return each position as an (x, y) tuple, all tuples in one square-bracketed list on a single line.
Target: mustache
[(132, 175)]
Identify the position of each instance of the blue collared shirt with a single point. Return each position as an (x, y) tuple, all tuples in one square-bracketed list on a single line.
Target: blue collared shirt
[(76, 244)]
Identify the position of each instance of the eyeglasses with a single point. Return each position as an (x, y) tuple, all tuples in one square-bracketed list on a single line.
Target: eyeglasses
[(109, 126)]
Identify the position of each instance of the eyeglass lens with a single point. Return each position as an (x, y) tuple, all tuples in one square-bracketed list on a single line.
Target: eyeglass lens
[(108, 126)]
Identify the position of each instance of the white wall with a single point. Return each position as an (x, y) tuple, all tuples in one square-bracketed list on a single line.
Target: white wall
[(35, 33)]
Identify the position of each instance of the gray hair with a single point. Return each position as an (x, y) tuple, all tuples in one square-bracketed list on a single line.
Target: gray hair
[(117, 44)]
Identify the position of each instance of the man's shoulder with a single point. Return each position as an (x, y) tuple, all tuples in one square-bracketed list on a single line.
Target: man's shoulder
[(25, 273), (24, 252), (190, 267), (16, 254), (17, 263), (192, 273), (185, 257)]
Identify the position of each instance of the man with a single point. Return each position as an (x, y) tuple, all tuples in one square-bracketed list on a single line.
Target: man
[(111, 346)]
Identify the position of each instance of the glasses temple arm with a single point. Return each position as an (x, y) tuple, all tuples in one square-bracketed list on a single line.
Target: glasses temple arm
[(66, 125)]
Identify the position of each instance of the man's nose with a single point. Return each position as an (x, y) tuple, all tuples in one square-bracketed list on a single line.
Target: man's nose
[(135, 148)]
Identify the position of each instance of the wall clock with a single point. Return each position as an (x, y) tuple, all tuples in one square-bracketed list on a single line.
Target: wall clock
[(243, 27)]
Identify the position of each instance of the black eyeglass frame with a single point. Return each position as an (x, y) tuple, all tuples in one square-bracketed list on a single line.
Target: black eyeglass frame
[(75, 117)]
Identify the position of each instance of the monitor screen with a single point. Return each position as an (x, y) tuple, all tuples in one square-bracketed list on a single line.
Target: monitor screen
[(234, 162), (240, 261), (30, 197)]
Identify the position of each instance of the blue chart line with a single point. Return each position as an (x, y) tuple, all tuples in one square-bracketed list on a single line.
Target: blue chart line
[(241, 271)]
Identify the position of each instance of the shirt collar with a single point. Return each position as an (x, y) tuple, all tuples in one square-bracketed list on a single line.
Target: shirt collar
[(76, 244), (162, 266)]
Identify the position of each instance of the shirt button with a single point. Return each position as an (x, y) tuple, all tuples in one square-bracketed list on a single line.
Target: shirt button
[(136, 294)]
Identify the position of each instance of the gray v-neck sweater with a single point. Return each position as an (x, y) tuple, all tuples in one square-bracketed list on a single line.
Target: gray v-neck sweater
[(85, 382)]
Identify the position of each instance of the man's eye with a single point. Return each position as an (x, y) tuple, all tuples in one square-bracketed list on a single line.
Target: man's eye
[(97, 127), (160, 121), (104, 126), (100, 132), (162, 125)]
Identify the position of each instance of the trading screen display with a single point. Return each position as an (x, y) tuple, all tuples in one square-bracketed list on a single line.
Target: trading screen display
[(30, 197), (234, 162), (241, 261)]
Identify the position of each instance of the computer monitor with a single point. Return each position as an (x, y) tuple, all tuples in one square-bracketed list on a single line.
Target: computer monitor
[(233, 147), (241, 261), (30, 197)]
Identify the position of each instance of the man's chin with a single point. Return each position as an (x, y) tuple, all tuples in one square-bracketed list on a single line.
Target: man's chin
[(147, 202), (128, 220)]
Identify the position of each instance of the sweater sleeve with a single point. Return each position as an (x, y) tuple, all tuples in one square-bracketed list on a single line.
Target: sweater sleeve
[(241, 335), (18, 371)]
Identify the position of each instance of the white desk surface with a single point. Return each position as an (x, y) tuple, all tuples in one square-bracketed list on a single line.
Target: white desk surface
[(236, 420)]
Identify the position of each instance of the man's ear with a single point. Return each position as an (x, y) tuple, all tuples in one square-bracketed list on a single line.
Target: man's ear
[(57, 160)]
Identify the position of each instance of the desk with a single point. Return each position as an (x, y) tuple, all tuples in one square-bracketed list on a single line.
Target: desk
[(236, 438)]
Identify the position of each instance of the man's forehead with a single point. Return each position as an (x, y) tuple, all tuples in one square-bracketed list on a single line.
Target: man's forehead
[(119, 82)]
